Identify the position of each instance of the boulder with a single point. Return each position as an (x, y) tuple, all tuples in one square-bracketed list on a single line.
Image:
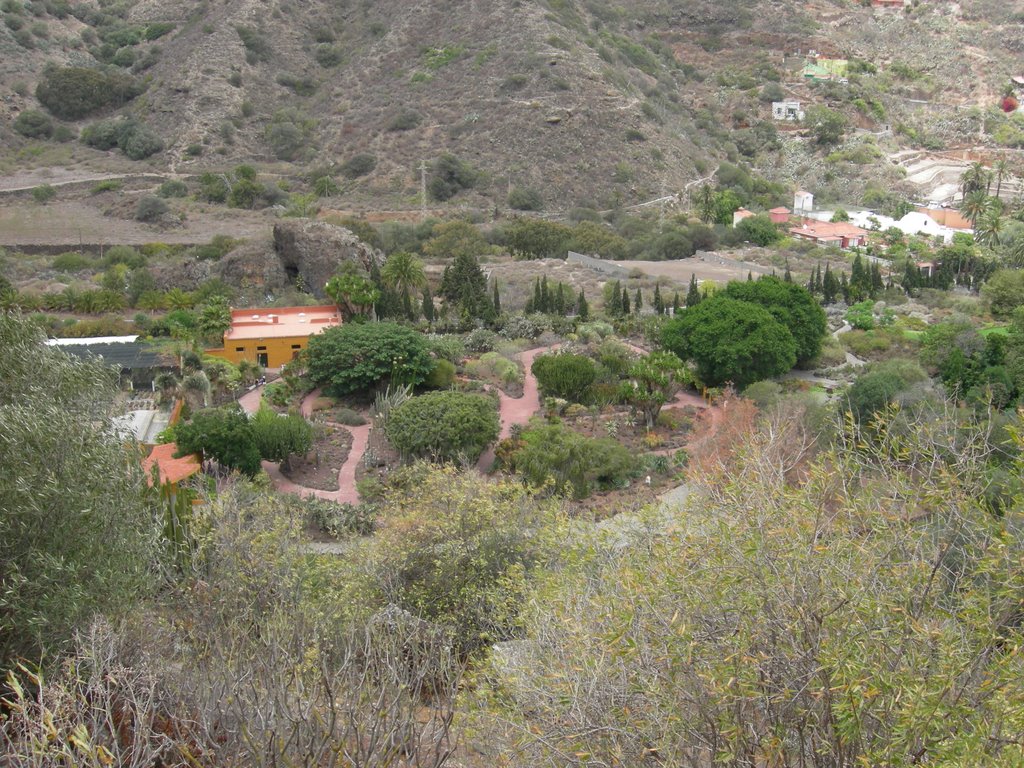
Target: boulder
[(312, 251), (254, 266)]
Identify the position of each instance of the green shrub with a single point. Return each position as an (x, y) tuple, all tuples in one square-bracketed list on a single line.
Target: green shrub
[(34, 124), (565, 375), (72, 262), (133, 138), (107, 185), (481, 340), (257, 48), (288, 133), (445, 426), (441, 376), (449, 176), (43, 194), (150, 208), (348, 417), (525, 199), (571, 462), (361, 356), (328, 56), (298, 84), (450, 348), (71, 93), (358, 165), (173, 188), (405, 120), (213, 188), (342, 519)]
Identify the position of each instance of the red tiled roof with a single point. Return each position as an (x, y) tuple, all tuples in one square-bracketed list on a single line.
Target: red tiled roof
[(169, 469), (827, 230), (780, 209)]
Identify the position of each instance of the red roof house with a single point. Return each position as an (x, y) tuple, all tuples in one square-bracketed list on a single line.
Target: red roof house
[(839, 233)]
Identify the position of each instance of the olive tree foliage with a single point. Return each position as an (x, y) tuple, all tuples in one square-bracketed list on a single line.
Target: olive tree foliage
[(868, 614), (77, 535), (264, 665), (362, 356), (445, 426), (461, 551)]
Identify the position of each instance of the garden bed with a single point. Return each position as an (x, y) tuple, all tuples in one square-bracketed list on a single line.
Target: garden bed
[(319, 468)]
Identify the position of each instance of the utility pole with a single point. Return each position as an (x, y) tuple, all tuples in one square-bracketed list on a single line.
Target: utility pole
[(423, 189)]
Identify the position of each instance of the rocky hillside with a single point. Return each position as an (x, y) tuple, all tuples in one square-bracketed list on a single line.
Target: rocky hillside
[(582, 101)]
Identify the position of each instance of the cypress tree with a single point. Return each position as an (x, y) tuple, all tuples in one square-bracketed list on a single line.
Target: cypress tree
[(615, 310), (860, 280), (676, 305), (496, 300), (625, 302), (818, 286), (638, 301), (787, 276), (844, 287), (659, 304), (829, 286), (407, 306), (877, 283), (582, 310), (428, 306), (538, 298), (693, 296), (561, 301), (545, 295), (750, 276)]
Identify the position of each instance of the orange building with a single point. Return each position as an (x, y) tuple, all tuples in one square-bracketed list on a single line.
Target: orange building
[(271, 337)]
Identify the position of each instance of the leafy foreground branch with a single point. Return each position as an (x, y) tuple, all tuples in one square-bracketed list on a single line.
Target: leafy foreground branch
[(860, 608)]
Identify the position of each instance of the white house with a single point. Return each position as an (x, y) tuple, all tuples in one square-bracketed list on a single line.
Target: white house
[(787, 110), (803, 202)]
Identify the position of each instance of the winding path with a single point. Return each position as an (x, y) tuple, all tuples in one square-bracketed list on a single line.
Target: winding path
[(346, 493), (512, 411)]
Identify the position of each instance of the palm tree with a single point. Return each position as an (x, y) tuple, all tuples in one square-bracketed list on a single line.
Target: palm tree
[(166, 385), (975, 178), (989, 225), (215, 318), (403, 272), (1000, 167), (196, 388), (974, 204)]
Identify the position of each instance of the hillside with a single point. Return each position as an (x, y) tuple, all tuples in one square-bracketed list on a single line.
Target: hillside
[(587, 103)]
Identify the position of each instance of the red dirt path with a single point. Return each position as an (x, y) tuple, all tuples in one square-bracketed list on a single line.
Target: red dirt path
[(512, 410)]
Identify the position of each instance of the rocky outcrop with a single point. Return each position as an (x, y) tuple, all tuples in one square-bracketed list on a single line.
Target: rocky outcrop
[(312, 251), (254, 267)]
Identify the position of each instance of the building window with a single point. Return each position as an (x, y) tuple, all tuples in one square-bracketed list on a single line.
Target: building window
[(296, 346), (261, 349), (239, 349)]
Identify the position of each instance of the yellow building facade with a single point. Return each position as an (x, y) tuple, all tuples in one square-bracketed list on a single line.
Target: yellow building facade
[(271, 337)]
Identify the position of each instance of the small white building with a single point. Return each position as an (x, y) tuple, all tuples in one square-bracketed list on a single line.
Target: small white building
[(803, 202), (787, 110)]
